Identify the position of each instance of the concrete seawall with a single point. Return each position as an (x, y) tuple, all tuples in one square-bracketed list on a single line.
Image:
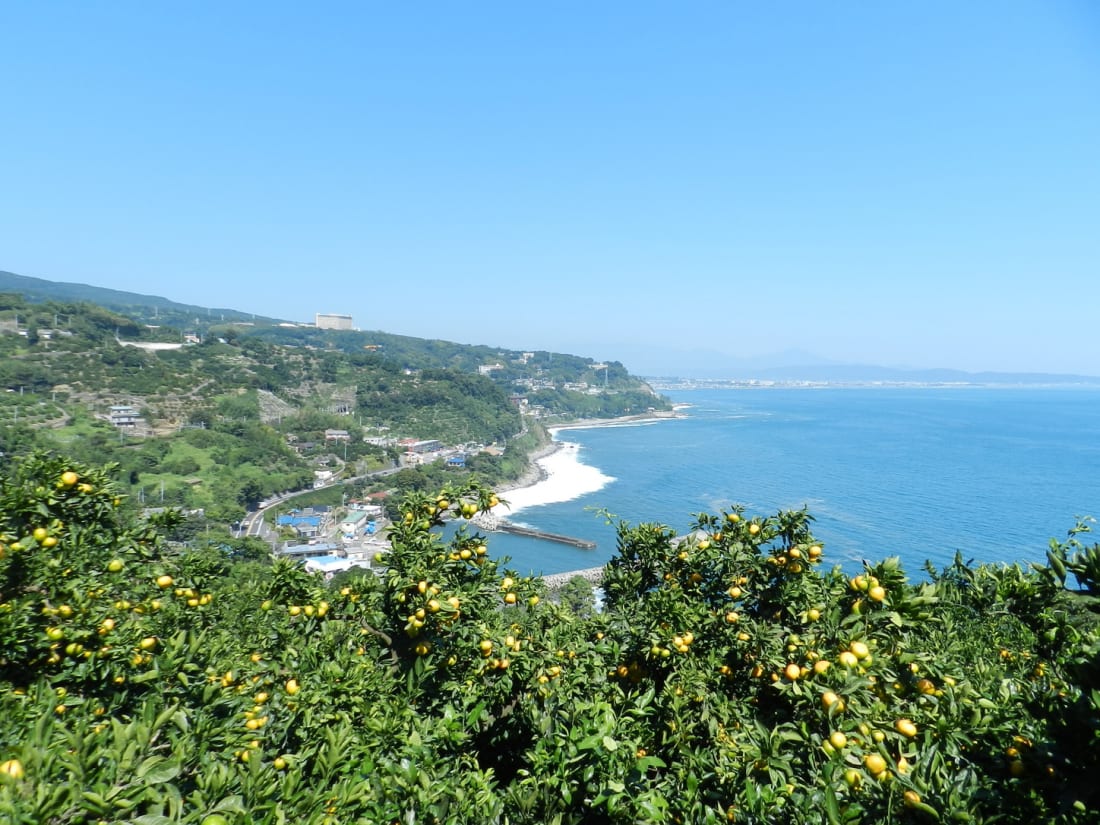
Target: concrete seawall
[(556, 581)]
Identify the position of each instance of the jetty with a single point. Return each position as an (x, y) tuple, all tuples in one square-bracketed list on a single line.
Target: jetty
[(515, 529), (488, 521)]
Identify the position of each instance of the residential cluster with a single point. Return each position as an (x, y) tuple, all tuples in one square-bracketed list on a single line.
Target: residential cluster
[(330, 539)]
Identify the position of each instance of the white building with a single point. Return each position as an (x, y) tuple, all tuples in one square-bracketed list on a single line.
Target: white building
[(331, 321)]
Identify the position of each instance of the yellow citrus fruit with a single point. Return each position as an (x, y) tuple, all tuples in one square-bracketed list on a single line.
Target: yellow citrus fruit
[(906, 728), (874, 764), (12, 769)]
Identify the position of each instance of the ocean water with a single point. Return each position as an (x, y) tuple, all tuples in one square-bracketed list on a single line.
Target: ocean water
[(914, 472)]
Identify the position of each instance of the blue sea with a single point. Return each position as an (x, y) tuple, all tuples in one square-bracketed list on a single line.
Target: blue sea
[(918, 473)]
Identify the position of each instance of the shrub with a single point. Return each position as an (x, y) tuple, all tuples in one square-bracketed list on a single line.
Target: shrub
[(730, 677)]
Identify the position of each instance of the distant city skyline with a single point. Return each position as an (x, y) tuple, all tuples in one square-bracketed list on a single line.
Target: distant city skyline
[(911, 186)]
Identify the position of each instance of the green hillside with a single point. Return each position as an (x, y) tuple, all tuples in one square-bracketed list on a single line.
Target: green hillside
[(219, 419), (144, 308)]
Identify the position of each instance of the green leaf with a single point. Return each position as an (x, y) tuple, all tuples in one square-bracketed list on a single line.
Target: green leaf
[(98, 803), (589, 743), (832, 809), (474, 716), (157, 769)]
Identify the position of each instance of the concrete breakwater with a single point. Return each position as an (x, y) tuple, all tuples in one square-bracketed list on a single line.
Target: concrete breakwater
[(515, 529), (556, 581), (489, 521)]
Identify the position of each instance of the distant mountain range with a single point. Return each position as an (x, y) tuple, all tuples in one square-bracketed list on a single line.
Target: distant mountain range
[(796, 366), (865, 374)]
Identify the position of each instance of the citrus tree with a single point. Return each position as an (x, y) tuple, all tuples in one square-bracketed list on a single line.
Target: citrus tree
[(731, 676)]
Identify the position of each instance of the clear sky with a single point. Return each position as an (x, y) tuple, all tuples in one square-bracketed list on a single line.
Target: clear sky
[(900, 183)]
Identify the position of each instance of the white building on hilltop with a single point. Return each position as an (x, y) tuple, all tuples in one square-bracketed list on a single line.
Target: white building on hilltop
[(330, 321)]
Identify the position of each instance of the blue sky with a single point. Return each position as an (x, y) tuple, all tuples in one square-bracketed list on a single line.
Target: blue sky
[(910, 184)]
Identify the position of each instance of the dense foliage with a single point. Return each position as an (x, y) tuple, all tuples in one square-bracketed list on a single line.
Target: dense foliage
[(728, 678)]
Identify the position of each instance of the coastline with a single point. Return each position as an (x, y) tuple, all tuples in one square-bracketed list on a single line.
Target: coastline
[(640, 418), (556, 473), (535, 472)]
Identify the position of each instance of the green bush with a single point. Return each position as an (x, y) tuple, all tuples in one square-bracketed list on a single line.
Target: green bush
[(729, 678)]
